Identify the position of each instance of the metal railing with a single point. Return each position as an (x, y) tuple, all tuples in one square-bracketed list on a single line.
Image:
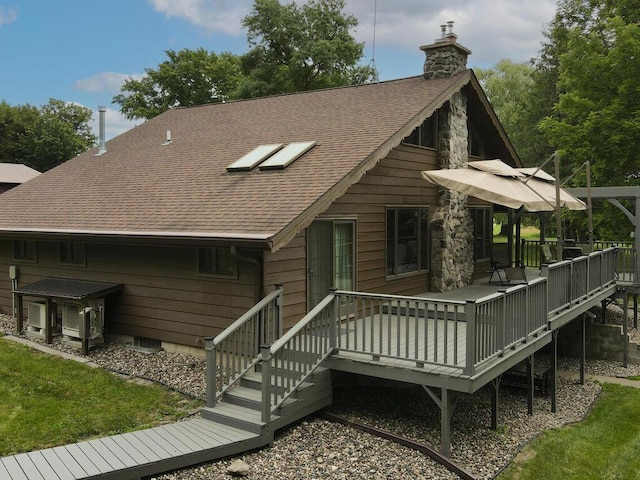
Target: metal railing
[(237, 349)]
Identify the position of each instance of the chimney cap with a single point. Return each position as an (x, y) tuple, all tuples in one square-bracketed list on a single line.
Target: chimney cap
[(448, 37)]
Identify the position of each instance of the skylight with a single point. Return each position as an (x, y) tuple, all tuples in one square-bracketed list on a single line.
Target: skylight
[(287, 155), (254, 157)]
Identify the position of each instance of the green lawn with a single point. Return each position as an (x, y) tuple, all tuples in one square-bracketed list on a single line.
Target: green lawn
[(47, 401), (605, 446)]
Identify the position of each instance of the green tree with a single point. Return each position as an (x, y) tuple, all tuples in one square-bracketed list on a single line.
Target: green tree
[(597, 114), (299, 48), (44, 137), (508, 86), (188, 77)]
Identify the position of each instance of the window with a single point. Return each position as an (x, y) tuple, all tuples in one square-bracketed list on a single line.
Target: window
[(482, 233), (426, 135), (72, 253), (25, 250), (218, 261), (407, 240)]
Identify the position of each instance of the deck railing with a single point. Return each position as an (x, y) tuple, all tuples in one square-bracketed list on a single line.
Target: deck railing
[(530, 249), (571, 281), (237, 349), (413, 331), (288, 362), (626, 261), (416, 330)]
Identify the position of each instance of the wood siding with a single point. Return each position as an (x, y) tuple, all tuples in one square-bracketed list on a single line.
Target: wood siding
[(163, 297), (288, 267), (395, 181)]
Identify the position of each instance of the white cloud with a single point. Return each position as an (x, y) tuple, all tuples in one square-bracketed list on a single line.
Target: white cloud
[(105, 82), (492, 29), (8, 15), (213, 16)]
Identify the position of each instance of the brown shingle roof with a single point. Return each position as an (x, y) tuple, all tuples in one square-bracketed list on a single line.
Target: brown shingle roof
[(141, 187)]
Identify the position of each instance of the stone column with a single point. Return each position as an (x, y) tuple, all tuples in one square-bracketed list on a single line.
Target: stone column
[(451, 223)]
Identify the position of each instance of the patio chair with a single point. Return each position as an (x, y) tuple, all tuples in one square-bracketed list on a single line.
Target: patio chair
[(547, 256), (514, 275), (499, 261)]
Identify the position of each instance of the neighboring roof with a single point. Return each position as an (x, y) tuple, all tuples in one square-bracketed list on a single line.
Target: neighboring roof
[(16, 173), (143, 188)]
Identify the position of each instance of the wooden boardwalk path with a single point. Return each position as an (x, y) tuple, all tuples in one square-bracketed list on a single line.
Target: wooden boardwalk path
[(133, 455)]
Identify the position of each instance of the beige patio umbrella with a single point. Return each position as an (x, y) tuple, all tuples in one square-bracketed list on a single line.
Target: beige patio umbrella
[(496, 182)]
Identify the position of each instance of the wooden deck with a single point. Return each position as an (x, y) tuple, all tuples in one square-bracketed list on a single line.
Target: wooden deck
[(132, 455), (450, 343)]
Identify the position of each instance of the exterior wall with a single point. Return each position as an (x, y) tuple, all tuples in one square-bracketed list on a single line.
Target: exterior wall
[(396, 181), (163, 297), (288, 267)]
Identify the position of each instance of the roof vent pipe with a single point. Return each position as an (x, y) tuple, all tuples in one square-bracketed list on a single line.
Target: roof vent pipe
[(102, 148), (168, 138)]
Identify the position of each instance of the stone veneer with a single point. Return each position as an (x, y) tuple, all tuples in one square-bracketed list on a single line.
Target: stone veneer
[(445, 57), (451, 223)]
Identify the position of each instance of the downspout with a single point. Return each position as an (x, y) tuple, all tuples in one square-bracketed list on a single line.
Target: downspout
[(258, 283)]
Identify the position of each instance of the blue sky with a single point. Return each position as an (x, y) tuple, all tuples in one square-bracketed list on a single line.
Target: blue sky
[(82, 50)]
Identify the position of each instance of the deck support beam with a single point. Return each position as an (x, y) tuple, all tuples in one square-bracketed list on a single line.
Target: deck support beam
[(530, 361), (554, 371), (446, 401), (625, 329), (495, 397)]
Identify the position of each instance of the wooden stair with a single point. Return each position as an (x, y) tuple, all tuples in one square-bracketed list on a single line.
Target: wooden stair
[(241, 406)]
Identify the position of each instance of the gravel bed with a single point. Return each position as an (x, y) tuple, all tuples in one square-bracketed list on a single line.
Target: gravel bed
[(318, 449)]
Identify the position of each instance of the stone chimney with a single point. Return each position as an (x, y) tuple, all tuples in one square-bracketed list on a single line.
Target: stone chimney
[(446, 56)]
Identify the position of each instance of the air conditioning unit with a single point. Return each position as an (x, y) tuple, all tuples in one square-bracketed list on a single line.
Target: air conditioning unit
[(73, 319), (37, 315)]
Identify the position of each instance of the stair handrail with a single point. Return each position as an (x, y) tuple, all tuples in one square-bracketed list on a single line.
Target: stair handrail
[(290, 361), (238, 353)]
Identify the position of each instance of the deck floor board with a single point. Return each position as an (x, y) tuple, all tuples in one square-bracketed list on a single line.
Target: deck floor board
[(57, 465)]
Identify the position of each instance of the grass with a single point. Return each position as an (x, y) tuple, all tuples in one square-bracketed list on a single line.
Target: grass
[(47, 401), (604, 446)]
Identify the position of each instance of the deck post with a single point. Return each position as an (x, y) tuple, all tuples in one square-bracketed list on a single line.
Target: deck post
[(554, 371), (445, 422), (530, 361), (278, 302), (625, 329), (212, 368), (495, 397), (265, 352), (635, 310), (583, 348), (335, 321), (470, 317)]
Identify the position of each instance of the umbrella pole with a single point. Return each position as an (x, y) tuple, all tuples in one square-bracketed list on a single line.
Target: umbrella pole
[(589, 212), (559, 246)]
